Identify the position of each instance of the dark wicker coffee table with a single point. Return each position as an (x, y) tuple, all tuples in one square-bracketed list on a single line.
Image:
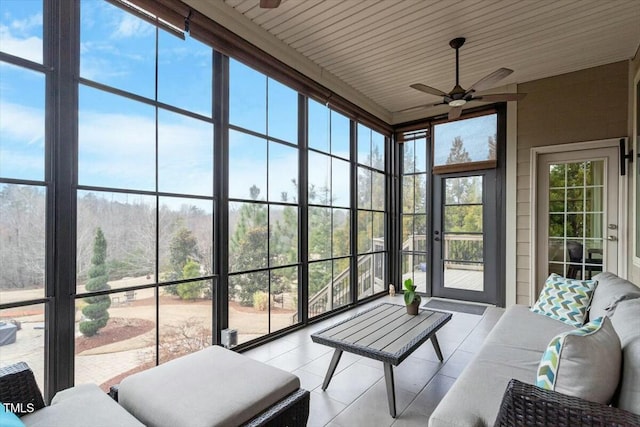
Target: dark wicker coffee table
[(386, 333)]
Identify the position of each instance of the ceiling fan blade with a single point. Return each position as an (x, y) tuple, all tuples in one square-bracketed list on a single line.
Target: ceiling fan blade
[(487, 82), (500, 97), (428, 89), (455, 112), (269, 4)]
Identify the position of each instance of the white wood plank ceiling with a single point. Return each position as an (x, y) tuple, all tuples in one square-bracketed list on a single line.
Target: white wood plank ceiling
[(379, 47)]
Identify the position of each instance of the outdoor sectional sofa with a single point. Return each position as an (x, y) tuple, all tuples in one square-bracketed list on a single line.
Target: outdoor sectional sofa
[(212, 387), (510, 357)]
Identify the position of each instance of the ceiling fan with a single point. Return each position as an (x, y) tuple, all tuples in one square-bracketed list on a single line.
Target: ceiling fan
[(459, 96), (269, 4)]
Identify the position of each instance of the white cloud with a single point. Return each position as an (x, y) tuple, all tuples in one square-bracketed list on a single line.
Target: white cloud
[(131, 26), (22, 123), (28, 47)]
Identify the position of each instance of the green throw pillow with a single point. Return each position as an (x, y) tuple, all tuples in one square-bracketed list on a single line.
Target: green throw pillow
[(566, 300), (584, 362)]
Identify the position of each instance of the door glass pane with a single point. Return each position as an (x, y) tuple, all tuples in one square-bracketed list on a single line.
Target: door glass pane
[(463, 237), (576, 218)]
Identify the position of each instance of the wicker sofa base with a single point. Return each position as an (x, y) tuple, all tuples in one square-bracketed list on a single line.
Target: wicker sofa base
[(528, 405)]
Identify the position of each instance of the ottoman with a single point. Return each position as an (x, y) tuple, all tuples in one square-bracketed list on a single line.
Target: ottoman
[(213, 387)]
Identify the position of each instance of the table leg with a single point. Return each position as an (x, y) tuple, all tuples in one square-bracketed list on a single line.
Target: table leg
[(436, 347), (391, 391), (332, 368)]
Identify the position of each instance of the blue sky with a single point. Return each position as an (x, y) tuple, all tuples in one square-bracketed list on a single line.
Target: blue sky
[(117, 136)]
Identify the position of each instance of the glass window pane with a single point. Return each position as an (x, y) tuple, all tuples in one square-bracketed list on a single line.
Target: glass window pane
[(556, 225), (463, 247), (341, 233), (283, 235), (364, 188), (23, 338), (247, 166), (421, 193), (284, 298), (378, 191), (248, 236), (319, 233), (364, 145), (365, 231), (408, 193), (22, 141), (594, 200), (319, 179), (185, 155), (378, 232), (365, 276), (421, 147), (408, 157), (185, 237), (21, 34), (556, 200), (463, 218), (575, 174), (320, 280), (463, 190), (127, 223), (340, 135), (557, 176), (247, 97), (557, 250), (185, 73), (117, 48), (283, 112), (377, 150), (22, 242), (116, 141), (575, 200), (185, 319), (318, 126), (341, 292), (407, 232), (124, 345), (249, 305), (574, 224), (340, 183), (464, 141), (283, 173)]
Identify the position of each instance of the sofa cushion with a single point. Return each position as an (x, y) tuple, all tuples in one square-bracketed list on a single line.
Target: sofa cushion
[(512, 349), (584, 362), (210, 387), (564, 299), (610, 291), (81, 406), (626, 321)]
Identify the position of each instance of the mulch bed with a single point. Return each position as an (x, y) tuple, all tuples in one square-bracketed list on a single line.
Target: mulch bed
[(117, 329)]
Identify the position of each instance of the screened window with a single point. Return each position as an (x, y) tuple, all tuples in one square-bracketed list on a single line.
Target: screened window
[(145, 195), (263, 204), (468, 144), (371, 212), (329, 196)]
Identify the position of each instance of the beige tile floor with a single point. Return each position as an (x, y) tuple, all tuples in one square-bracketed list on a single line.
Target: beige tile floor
[(356, 395)]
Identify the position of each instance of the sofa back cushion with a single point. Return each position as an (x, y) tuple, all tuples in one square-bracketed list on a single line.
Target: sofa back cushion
[(626, 321), (610, 291), (566, 300)]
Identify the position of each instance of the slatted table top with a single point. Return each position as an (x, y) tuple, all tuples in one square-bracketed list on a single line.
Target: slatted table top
[(385, 332)]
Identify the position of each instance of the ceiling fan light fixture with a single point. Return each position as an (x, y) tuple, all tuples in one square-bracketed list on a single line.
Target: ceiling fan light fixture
[(457, 102)]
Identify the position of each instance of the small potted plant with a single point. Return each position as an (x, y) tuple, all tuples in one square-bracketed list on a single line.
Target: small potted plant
[(411, 298)]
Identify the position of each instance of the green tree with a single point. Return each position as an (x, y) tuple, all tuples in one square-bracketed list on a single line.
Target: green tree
[(191, 290), (182, 249), (248, 249), (96, 309)]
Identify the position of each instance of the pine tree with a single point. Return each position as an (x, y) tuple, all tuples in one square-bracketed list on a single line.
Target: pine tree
[(96, 310)]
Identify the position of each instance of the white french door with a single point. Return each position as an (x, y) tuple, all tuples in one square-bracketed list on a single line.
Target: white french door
[(577, 214)]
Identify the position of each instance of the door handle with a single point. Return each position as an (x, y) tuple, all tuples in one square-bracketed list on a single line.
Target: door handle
[(612, 238), (437, 239)]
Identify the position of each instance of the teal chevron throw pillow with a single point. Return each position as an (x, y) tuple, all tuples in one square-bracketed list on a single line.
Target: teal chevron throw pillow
[(566, 300), (584, 362)]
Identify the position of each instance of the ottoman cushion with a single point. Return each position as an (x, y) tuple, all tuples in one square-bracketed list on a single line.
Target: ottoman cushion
[(82, 405), (212, 387)]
